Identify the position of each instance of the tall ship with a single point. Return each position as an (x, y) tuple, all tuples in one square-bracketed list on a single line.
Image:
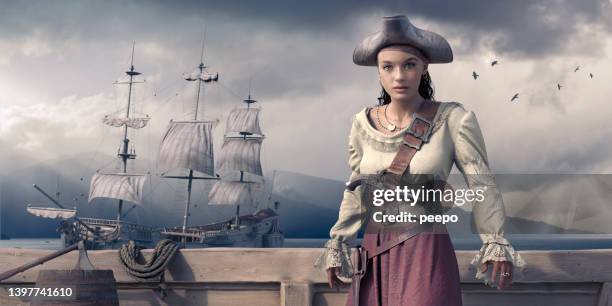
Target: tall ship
[(238, 179), (185, 153), (123, 186)]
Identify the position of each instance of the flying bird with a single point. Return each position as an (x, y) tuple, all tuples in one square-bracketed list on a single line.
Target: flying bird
[(474, 75), (577, 68), (591, 75), (559, 86), (494, 62), (514, 97)]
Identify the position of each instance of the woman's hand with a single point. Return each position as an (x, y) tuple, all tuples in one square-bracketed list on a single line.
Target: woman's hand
[(333, 279), (501, 274)]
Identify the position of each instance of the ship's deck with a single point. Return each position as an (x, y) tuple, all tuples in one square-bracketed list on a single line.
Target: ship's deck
[(285, 276)]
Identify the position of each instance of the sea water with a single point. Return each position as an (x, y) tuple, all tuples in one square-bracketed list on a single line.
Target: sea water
[(32, 243), (519, 242)]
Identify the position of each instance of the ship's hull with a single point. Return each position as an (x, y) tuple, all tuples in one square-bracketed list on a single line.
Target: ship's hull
[(104, 234), (259, 230)]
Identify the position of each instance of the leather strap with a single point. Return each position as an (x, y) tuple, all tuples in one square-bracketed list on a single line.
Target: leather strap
[(356, 288), (417, 133), (360, 261), (387, 245)]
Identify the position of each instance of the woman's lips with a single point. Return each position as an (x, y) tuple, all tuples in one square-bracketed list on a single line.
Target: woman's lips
[(400, 88)]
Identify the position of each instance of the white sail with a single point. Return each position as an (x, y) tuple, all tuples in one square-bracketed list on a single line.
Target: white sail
[(243, 120), (135, 123), (240, 155), (120, 186), (188, 145), (51, 213), (234, 193)]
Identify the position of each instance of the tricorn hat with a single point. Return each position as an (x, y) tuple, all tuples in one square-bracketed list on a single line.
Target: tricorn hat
[(397, 30)]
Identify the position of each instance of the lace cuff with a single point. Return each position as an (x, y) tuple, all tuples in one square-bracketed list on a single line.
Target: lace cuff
[(496, 249), (336, 254)]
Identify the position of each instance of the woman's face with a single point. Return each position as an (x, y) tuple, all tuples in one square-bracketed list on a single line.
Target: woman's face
[(400, 72)]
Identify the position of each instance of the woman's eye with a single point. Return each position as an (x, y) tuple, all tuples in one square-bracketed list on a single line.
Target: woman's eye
[(387, 67), (409, 65)]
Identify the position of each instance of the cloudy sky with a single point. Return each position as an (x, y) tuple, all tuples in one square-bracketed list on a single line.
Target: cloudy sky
[(59, 60)]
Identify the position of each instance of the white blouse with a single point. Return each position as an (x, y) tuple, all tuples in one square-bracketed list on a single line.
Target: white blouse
[(456, 139)]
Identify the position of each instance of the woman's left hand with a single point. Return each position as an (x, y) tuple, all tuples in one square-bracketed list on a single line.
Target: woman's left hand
[(501, 274)]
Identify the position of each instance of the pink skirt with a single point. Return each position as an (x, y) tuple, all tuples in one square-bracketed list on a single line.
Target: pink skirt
[(421, 271)]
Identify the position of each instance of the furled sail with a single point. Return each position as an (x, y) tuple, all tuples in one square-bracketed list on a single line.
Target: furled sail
[(135, 123), (243, 120), (240, 155), (234, 193), (120, 186), (188, 145), (202, 76), (51, 213)]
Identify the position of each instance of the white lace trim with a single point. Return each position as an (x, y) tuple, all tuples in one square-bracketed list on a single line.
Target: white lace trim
[(390, 143), (495, 248), (336, 254), (499, 250)]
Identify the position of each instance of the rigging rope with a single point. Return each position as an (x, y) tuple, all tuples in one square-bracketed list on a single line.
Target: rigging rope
[(230, 91), (153, 267)]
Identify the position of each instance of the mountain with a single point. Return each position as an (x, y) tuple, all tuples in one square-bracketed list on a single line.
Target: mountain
[(308, 206), (70, 176)]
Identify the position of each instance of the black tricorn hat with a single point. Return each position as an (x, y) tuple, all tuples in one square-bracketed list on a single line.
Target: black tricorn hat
[(397, 30)]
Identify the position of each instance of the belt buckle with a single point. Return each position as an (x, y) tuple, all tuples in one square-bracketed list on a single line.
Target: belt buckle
[(420, 128)]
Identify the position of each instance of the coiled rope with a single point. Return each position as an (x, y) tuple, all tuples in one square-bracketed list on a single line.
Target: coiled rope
[(153, 267)]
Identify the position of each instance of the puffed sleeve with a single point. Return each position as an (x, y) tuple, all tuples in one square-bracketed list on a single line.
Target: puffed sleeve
[(337, 251), (488, 214)]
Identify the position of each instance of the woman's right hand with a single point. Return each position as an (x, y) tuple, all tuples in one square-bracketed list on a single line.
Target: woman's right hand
[(332, 277)]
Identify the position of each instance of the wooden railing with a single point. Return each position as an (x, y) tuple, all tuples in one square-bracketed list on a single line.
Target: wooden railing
[(285, 276)]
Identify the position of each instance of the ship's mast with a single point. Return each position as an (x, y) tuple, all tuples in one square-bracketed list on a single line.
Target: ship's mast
[(248, 102), (201, 68), (199, 79), (126, 153), (239, 155)]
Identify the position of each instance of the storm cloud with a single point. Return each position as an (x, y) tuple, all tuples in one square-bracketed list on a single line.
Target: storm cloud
[(59, 60)]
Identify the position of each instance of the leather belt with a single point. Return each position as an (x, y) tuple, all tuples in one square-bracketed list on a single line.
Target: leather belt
[(361, 256)]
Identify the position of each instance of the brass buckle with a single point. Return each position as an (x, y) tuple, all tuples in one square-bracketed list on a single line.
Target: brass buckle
[(416, 119)]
